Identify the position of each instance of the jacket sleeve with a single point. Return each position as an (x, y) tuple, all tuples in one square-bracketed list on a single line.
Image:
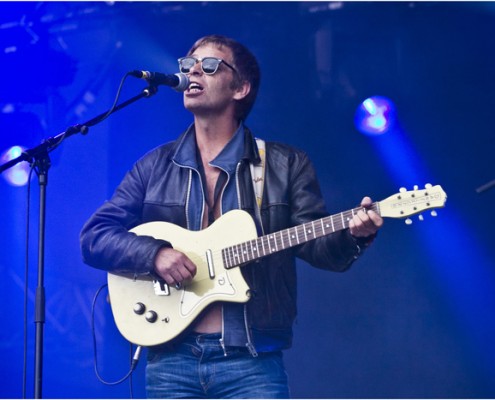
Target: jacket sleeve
[(336, 251), (105, 240)]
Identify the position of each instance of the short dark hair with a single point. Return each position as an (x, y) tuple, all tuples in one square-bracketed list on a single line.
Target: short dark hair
[(245, 64)]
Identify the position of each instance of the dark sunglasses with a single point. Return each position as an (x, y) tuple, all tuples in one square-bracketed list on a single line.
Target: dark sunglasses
[(209, 65)]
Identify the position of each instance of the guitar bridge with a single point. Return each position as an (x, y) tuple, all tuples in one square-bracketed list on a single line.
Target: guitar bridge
[(161, 288)]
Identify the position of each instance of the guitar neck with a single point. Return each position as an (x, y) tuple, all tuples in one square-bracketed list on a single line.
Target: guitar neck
[(274, 242)]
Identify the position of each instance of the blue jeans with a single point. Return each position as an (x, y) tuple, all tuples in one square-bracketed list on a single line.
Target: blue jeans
[(198, 368)]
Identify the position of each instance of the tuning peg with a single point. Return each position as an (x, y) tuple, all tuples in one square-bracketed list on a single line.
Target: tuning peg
[(420, 217), (402, 190), (408, 221), (434, 213), (416, 187), (428, 186)]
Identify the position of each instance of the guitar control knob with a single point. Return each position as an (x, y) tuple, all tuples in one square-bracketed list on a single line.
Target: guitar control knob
[(151, 316), (139, 308)]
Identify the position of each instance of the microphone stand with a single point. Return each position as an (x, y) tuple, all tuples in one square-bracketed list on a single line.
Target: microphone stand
[(39, 158)]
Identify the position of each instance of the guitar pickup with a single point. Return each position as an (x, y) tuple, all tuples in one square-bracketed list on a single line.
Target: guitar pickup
[(161, 288), (209, 262)]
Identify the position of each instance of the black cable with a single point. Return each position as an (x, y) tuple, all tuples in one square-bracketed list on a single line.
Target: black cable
[(134, 359), (84, 128)]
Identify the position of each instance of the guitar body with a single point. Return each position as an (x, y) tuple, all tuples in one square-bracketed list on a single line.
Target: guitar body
[(135, 299)]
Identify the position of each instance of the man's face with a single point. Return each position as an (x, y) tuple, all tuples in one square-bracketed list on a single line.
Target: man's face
[(211, 94)]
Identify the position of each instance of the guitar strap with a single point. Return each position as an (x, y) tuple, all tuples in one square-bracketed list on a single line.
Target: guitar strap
[(258, 176)]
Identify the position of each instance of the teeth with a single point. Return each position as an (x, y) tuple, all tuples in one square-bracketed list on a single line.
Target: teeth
[(195, 86)]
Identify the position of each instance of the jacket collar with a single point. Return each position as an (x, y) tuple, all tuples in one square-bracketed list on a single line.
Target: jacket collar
[(184, 152)]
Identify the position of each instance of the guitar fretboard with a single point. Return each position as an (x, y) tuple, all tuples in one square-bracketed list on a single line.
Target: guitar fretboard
[(274, 242)]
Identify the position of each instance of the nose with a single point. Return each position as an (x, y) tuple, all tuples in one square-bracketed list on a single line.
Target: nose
[(196, 69)]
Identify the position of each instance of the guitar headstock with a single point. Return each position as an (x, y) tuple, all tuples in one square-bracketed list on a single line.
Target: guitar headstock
[(407, 203)]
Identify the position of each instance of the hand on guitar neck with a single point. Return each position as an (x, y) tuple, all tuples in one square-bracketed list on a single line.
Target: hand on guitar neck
[(365, 222)]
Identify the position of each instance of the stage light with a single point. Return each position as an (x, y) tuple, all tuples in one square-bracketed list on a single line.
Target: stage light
[(375, 116), (17, 175)]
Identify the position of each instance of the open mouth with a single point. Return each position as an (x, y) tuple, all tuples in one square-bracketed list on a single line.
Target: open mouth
[(194, 87)]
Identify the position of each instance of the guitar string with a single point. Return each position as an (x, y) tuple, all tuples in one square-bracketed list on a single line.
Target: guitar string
[(275, 242), (238, 254)]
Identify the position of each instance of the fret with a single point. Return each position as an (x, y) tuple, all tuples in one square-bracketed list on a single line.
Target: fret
[(289, 235), (314, 230), (243, 252), (296, 234), (322, 227), (333, 226), (227, 258), (247, 251), (231, 254), (272, 249), (239, 253), (254, 249), (236, 255), (342, 217), (224, 260), (263, 246), (287, 238), (307, 231), (269, 244), (282, 242)]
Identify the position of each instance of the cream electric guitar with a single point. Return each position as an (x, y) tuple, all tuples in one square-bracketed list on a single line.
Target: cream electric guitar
[(149, 312)]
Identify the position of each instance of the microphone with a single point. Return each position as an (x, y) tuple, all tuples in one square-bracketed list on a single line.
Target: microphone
[(179, 81)]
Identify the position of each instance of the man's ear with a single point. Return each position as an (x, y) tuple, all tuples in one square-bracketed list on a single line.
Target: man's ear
[(242, 91)]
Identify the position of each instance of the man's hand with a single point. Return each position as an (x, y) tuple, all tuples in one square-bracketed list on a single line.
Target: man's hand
[(366, 222), (174, 267)]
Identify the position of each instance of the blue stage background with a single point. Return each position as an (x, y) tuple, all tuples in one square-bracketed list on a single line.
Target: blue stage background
[(413, 318)]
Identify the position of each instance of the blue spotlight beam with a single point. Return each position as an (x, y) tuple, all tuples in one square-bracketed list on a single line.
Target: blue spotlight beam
[(470, 290)]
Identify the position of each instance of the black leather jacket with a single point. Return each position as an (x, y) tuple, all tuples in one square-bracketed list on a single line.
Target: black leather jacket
[(157, 189)]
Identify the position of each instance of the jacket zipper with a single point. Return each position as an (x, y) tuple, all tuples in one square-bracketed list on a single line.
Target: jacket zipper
[(221, 340), (249, 344), (188, 199)]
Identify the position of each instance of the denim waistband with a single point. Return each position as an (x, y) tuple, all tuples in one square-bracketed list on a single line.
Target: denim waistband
[(208, 338)]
